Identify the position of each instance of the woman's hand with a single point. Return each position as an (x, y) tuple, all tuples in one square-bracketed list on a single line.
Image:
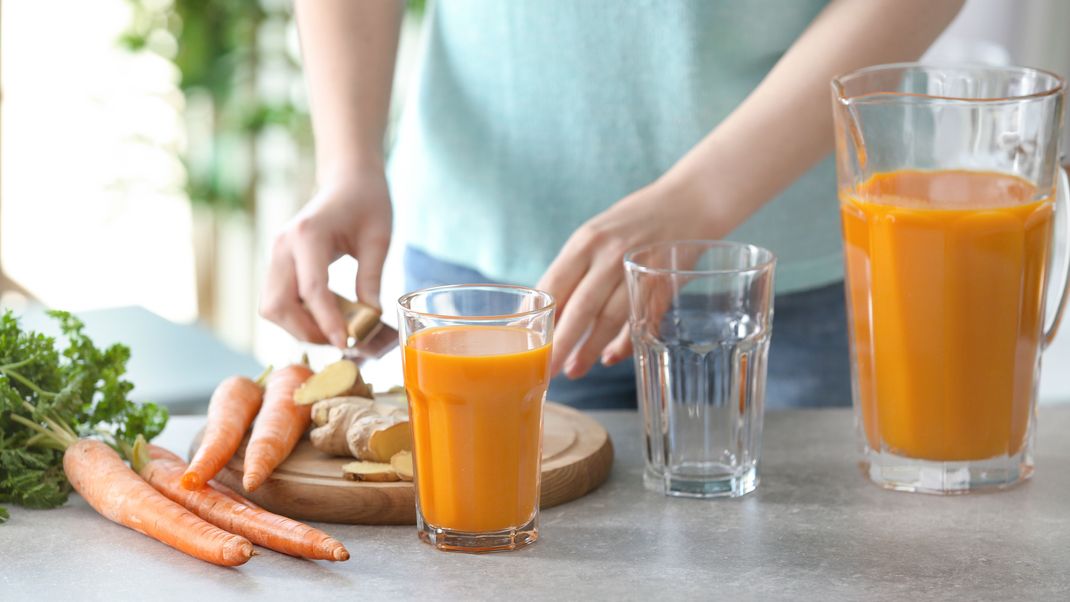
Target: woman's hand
[(348, 216), (348, 50), (781, 130), (587, 277)]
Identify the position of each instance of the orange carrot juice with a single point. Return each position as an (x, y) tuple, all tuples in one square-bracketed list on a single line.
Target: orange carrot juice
[(475, 400), (946, 275)]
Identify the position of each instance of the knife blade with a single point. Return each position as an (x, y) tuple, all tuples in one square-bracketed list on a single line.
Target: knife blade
[(369, 337)]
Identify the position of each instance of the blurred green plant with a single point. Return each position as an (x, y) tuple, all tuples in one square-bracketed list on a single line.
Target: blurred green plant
[(216, 45)]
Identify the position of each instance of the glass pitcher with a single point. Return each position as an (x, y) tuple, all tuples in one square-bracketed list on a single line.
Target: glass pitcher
[(952, 200)]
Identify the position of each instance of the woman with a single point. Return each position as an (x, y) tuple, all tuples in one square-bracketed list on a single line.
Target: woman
[(547, 137)]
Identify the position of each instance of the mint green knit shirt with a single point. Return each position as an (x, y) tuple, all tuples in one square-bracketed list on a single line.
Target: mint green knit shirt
[(529, 117)]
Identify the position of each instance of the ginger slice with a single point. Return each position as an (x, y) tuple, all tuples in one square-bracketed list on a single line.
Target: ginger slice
[(377, 438), (401, 462), (362, 320), (340, 379), (377, 472)]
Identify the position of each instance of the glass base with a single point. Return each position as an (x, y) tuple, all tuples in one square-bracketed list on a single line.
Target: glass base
[(946, 478), (731, 484), (490, 541)]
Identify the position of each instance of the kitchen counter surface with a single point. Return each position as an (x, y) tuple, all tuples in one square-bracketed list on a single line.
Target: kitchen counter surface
[(814, 529)]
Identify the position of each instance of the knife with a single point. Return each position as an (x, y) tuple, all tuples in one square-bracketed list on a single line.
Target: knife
[(369, 337)]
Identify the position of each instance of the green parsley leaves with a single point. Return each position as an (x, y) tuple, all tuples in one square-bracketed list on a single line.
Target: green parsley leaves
[(76, 384)]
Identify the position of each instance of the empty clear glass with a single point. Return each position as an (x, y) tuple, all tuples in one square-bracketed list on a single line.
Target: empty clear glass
[(701, 320)]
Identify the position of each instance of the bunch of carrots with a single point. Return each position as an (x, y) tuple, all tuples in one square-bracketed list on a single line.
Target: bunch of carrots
[(182, 506)]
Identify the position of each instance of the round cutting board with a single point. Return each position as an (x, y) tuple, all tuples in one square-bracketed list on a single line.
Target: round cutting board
[(576, 457)]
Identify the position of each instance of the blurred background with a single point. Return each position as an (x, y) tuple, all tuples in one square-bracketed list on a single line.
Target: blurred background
[(150, 149)]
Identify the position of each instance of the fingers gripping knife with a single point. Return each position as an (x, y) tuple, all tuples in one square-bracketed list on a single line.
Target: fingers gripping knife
[(369, 337)]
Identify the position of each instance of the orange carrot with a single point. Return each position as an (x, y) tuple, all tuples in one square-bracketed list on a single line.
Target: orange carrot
[(120, 495), (163, 470), (158, 453), (231, 410), (234, 495), (279, 426)]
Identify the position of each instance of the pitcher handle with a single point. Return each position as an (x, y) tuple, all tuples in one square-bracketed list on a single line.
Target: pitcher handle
[(1062, 231)]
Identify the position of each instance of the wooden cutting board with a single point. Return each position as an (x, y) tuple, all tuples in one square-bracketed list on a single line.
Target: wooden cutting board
[(576, 456)]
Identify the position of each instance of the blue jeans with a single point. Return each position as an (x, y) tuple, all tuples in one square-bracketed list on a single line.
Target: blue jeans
[(809, 362)]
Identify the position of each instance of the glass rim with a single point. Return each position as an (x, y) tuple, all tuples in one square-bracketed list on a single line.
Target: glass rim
[(840, 82), (550, 306), (768, 261)]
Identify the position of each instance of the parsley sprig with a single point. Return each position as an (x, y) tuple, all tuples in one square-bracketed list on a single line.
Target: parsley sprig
[(76, 387)]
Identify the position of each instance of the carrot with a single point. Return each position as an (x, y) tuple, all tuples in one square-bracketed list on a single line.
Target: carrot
[(120, 495), (279, 426), (163, 470), (158, 453), (231, 410), (155, 452), (234, 495)]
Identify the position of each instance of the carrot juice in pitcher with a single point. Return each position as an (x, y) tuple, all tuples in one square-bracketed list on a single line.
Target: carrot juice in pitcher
[(946, 299), (952, 200)]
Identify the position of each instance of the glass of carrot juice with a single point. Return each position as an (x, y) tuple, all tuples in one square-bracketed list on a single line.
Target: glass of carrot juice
[(477, 363)]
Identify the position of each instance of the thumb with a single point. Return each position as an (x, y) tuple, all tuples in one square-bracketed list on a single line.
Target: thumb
[(371, 253)]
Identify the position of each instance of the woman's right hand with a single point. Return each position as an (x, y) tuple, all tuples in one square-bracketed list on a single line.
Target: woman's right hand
[(350, 215)]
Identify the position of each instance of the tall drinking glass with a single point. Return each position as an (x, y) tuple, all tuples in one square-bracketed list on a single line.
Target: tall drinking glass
[(701, 320), (477, 364), (948, 185)]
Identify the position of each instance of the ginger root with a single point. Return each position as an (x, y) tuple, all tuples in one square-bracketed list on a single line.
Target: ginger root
[(340, 379), (377, 438), (321, 409), (378, 472), (401, 462), (359, 427), (332, 436)]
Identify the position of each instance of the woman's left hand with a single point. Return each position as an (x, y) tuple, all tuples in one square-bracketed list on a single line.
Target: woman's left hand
[(749, 157), (587, 277)]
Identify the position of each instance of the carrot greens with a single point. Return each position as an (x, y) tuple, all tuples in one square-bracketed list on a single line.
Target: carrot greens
[(74, 386)]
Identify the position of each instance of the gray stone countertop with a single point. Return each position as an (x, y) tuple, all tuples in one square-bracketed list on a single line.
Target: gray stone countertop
[(813, 530)]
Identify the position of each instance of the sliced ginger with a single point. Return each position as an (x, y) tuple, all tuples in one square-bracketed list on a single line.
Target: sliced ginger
[(378, 472), (401, 462), (340, 379), (362, 320)]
